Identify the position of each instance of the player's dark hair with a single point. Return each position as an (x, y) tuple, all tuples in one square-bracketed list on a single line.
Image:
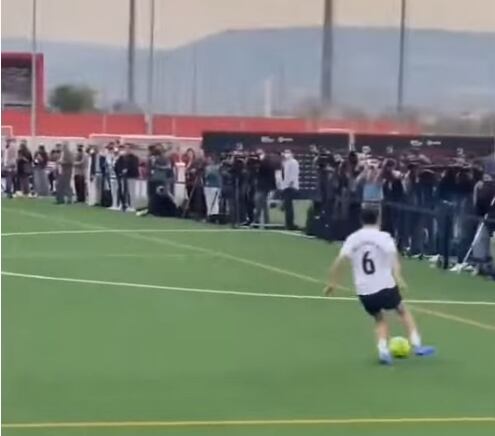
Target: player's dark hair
[(369, 216)]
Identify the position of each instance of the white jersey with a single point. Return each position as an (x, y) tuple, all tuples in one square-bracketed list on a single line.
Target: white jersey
[(372, 254)]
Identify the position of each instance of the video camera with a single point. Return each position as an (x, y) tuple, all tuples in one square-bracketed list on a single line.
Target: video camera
[(233, 162), (323, 159)]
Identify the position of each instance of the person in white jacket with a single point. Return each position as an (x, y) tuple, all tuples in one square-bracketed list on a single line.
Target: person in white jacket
[(290, 186)]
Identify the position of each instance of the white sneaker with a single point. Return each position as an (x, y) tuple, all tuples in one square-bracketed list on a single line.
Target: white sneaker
[(130, 209), (434, 259), (458, 267)]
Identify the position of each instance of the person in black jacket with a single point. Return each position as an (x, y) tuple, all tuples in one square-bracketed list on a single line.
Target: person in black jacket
[(40, 179), (264, 184), (24, 167), (393, 198), (127, 172)]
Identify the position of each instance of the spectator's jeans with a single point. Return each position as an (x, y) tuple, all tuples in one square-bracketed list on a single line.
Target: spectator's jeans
[(80, 187), (288, 195), (232, 204), (40, 181), (212, 198), (481, 247), (24, 184), (123, 193), (467, 232), (414, 231), (94, 190), (247, 203), (132, 190), (64, 189), (261, 207), (445, 227), (114, 189), (9, 182)]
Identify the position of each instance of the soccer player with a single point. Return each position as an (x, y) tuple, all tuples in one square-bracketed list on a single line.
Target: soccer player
[(377, 277)]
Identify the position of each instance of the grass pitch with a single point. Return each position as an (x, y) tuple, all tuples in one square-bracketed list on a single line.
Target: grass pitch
[(119, 325)]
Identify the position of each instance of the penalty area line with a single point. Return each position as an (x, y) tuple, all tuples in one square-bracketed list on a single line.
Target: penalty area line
[(230, 292), (106, 230), (254, 422)]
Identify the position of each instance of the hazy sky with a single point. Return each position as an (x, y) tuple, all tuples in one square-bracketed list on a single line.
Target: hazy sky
[(180, 21)]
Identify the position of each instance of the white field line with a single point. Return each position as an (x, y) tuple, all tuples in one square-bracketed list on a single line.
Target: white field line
[(79, 256), (104, 230), (170, 243), (488, 420), (229, 292)]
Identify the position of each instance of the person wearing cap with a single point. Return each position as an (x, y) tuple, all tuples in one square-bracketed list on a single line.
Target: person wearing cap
[(290, 186)]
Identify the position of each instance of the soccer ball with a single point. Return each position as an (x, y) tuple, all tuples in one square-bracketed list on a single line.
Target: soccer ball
[(399, 347)]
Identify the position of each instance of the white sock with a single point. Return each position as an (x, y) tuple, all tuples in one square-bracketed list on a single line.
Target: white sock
[(383, 346), (415, 339)]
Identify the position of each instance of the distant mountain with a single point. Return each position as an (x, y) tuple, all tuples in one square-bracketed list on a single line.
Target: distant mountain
[(445, 71)]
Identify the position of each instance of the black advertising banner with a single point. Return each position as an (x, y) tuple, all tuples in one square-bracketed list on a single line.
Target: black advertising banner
[(218, 142), (298, 143), (439, 149)]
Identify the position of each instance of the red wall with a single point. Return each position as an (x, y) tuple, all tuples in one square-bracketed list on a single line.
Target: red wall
[(54, 124)]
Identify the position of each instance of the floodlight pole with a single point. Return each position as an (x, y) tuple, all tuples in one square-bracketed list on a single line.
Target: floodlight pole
[(131, 50), (327, 55), (402, 47), (34, 96), (151, 66)]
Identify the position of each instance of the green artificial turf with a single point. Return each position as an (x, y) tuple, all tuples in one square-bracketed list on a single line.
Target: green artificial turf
[(96, 352)]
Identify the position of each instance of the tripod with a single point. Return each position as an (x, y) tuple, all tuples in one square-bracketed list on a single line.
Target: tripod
[(190, 198), (481, 227)]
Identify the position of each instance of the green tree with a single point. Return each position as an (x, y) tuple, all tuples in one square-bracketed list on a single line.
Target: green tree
[(73, 98)]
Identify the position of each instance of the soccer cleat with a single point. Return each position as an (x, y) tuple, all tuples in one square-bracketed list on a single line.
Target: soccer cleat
[(424, 351), (385, 358)]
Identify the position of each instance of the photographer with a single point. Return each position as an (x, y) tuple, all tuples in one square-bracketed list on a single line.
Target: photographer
[(484, 200), (325, 166), (371, 183), (160, 182), (232, 172), (213, 186), (196, 205), (264, 184)]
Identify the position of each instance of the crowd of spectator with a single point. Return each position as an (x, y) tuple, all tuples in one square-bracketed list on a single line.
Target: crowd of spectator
[(437, 212)]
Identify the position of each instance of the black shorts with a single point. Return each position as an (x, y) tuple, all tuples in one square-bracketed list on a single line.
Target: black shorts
[(386, 299)]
